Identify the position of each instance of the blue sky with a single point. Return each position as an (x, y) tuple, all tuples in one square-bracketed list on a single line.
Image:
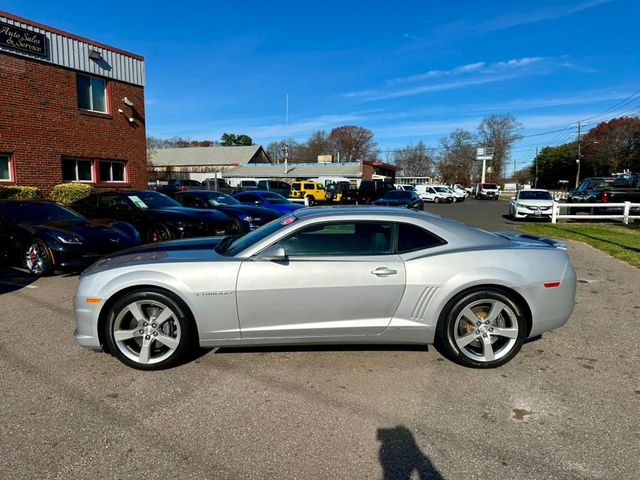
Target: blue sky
[(409, 71)]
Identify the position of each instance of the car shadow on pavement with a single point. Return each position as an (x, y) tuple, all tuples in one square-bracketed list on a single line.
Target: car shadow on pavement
[(401, 458), (12, 280)]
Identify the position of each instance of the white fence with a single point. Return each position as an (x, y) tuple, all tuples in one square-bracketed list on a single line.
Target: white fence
[(624, 216)]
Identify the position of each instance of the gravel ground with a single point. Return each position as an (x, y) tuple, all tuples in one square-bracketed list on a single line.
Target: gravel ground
[(566, 407)]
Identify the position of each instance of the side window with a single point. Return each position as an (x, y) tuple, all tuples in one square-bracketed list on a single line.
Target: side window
[(115, 202), (262, 184), (249, 198), (189, 200), (412, 237), (340, 239), (307, 186)]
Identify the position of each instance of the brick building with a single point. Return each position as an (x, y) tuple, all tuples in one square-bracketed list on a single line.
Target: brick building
[(71, 109)]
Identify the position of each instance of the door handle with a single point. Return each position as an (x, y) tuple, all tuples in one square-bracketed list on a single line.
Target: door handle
[(383, 272)]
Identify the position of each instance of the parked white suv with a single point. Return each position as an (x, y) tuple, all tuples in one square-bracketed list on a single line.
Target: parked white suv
[(490, 191)]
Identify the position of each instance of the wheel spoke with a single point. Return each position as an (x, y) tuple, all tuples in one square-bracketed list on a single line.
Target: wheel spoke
[(505, 332), (168, 341), (165, 315), (487, 349), (122, 335), (496, 309), (135, 310), (466, 340), (468, 314), (145, 350)]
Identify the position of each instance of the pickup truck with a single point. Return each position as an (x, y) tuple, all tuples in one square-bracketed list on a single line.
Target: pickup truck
[(624, 188)]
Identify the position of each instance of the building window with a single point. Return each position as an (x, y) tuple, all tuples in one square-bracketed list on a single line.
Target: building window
[(5, 168), (92, 93), (77, 170), (112, 171)]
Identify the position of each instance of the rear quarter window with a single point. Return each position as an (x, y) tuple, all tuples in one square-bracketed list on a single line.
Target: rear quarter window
[(412, 238)]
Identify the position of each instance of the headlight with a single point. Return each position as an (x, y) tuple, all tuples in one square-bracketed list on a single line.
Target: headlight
[(69, 239)]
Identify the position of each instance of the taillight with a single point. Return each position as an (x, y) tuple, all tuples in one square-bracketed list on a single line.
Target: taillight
[(605, 196)]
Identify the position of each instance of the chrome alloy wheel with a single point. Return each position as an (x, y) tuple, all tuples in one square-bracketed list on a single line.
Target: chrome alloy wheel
[(486, 330), (147, 332), (35, 258)]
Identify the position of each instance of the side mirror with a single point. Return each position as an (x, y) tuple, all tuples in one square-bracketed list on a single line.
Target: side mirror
[(274, 253)]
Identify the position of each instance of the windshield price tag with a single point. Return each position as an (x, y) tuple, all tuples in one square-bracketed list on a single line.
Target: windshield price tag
[(137, 201)]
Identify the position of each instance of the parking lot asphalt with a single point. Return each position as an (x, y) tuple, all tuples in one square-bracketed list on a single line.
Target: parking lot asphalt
[(565, 407)]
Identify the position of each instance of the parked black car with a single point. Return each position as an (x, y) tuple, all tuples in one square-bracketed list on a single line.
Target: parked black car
[(283, 188), (401, 198), (179, 185), (624, 188), (341, 192), (156, 216), (217, 185), (43, 236), (250, 217), (371, 190)]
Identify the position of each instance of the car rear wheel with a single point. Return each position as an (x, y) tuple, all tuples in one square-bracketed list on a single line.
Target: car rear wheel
[(311, 201), (482, 329), (158, 233), (436, 200), (37, 258), (149, 330)]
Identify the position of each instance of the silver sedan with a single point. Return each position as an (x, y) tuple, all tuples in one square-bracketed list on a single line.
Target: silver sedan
[(326, 276)]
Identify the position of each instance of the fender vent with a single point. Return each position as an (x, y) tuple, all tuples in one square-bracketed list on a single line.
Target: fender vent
[(423, 302)]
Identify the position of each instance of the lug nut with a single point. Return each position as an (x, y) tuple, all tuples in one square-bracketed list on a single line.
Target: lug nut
[(155, 334), (491, 329), (478, 324), (154, 325), (145, 324), (141, 331), (147, 337)]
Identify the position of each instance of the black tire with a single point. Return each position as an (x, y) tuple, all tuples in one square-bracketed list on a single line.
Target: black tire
[(185, 330), (449, 199), (436, 200), (472, 355), (311, 200), (37, 258), (159, 233)]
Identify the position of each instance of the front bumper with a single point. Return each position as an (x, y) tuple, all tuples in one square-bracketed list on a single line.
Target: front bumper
[(527, 213), (86, 315)]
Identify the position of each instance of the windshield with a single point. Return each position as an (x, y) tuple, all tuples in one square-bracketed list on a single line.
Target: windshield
[(218, 199), (441, 189), (274, 198), (234, 245), (248, 183), (489, 186), (525, 195), (37, 213), (144, 200)]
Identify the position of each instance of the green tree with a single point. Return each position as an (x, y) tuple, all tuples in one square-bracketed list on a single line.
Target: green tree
[(234, 140), (555, 164)]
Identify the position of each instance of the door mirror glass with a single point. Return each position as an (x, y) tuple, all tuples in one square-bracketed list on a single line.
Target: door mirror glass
[(274, 253)]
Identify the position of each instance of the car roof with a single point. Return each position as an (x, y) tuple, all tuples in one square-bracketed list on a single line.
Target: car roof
[(533, 190), (26, 200)]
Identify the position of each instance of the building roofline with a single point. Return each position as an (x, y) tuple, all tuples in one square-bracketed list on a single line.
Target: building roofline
[(42, 26)]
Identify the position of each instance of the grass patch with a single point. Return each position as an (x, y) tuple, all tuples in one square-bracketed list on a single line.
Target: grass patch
[(619, 241)]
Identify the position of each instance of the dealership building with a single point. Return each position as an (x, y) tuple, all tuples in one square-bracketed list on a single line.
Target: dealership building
[(71, 109)]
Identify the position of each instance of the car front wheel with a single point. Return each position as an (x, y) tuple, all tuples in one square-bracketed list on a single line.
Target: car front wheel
[(149, 330), (482, 329), (158, 233), (37, 258)]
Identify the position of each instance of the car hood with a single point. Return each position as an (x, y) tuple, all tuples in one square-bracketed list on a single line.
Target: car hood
[(243, 210), (189, 214), (174, 251), (392, 202), (286, 207), (535, 203)]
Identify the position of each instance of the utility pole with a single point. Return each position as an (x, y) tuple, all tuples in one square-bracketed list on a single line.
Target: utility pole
[(286, 138), (578, 159), (535, 180)]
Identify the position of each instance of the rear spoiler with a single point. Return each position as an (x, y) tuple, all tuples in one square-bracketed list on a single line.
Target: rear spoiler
[(532, 239)]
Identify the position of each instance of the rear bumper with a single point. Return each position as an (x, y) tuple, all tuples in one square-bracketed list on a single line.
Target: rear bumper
[(552, 307)]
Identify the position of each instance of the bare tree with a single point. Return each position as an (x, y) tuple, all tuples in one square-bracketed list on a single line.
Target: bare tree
[(276, 150), (354, 143), (415, 160), (457, 162), (319, 143), (499, 132)]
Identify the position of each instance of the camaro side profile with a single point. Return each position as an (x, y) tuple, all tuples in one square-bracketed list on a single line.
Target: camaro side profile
[(329, 275)]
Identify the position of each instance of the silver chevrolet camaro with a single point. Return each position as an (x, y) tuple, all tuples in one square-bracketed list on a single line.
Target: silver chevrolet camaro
[(326, 276)]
